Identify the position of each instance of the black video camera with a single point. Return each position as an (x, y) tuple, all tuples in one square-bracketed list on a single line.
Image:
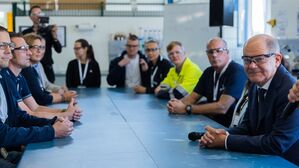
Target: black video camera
[(44, 20), (44, 27)]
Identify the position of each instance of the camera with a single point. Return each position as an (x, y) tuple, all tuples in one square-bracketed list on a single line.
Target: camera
[(44, 27), (44, 20), (44, 30)]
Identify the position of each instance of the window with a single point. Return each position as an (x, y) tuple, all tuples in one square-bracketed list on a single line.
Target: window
[(258, 18)]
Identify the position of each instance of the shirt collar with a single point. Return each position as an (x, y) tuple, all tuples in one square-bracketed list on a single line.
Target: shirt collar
[(266, 85)]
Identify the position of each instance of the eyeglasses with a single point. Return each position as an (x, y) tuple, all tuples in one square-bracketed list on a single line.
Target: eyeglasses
[(171, 54), (77, 48), (257, 59), (37, 47), (22, 48), (131, 46), (216, 50), (37, 14), (151, 49), (4, 45)]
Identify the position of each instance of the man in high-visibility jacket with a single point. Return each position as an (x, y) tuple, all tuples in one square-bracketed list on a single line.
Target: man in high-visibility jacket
[(181, 79)]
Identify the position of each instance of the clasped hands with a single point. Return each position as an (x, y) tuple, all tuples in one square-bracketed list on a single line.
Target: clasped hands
[(176, 106), (213, 138)]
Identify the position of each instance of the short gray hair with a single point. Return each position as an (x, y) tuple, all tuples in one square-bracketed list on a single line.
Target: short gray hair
[(218, 39)]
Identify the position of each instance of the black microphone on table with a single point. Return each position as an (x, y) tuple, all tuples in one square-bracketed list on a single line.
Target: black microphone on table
[(193, 136), (289, 109)]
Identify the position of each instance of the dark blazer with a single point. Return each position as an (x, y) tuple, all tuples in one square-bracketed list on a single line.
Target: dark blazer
[(92, 79), (21, 128), (41, 96), (160, 69), (117, 74), (269, 134)]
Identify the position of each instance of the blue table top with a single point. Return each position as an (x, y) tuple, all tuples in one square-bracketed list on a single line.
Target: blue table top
[(123, 129)]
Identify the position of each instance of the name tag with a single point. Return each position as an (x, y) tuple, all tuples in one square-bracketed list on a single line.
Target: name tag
[(81, 86)]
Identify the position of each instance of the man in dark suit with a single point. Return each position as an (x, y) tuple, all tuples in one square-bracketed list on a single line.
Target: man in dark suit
[(263, 129), (17, 127)]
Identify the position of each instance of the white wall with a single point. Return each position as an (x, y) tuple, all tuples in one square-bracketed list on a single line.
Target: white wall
[(99, 37), (286, 13), (3, 13), (189, 24), (105, 26), (230, 36)]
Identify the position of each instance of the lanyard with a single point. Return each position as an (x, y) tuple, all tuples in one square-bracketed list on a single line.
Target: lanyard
[(215, 88), (82, 76), (153, 75), (155, 71), (239, 108)]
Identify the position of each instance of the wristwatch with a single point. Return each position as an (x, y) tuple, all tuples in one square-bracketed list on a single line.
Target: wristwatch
[(188, 109)]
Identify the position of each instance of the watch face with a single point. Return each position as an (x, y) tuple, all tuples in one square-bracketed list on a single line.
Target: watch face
[(188, 109)]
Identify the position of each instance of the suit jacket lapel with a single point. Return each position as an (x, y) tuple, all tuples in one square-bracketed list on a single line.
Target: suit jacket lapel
[(271, 95)]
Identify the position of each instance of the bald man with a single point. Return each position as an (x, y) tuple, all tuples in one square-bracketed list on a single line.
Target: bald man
[(262, 130), (221, 84)]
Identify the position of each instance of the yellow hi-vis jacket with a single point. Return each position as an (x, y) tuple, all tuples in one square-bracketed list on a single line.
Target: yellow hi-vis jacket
[(186, 80)]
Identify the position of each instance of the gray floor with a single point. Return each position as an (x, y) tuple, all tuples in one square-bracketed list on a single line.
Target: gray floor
[(60, 80)]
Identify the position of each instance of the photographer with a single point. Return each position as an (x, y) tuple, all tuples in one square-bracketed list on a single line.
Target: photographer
[(49, 33)]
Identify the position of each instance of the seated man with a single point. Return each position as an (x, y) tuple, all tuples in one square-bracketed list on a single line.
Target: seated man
[(17, 127), (34, 81), (157, 68), (181, 79), (19, 88), (263, 129), (221, 84), (128, 70)]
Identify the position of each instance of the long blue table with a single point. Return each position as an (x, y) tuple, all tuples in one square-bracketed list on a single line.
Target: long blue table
[(123, 129)]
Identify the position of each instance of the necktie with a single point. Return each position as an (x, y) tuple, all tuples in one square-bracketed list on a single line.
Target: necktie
[(261, 101)]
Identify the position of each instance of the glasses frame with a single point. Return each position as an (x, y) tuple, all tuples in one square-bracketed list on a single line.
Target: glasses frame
[(24, 48), (132, 46), (77, 48), (217, 50), (171, 54), (37, 47), (147, 50), (257, 59), (4, 45)]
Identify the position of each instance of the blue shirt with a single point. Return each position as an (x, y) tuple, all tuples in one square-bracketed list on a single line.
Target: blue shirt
[(231, 83), (41, 96), (19, 85), (21, 128)]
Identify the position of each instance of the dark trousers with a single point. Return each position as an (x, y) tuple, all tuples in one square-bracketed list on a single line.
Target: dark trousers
[(6, 164), (49, 72), (12, 159)]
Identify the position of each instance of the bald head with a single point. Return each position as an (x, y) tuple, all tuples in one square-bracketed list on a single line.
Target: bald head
[(217, 40), (267, 41)]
